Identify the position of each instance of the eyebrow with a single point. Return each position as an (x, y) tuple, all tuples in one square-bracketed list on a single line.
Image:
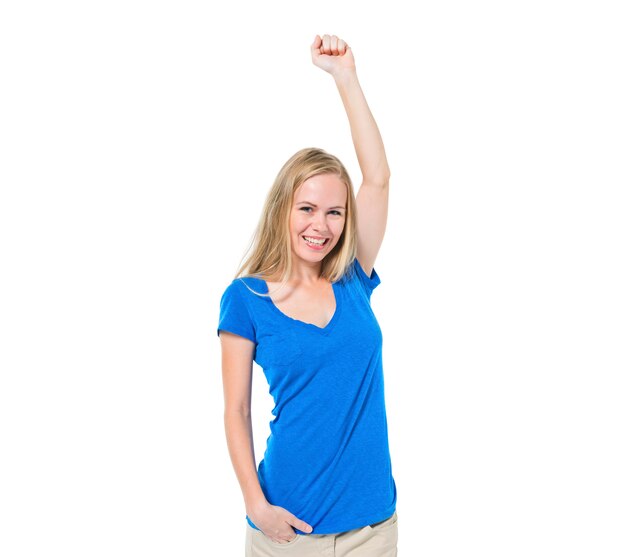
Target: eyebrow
[(314, 205)]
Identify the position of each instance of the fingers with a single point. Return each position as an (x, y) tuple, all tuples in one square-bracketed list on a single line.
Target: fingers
[(299, 524), (316, 43), (284, 538), (333, 45), (330, 45)]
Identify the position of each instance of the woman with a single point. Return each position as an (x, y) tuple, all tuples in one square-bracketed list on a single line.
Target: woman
[(300, 307)]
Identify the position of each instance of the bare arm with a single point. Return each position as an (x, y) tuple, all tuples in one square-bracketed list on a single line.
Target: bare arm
[(237, 354), (274, 521), (334, 56)]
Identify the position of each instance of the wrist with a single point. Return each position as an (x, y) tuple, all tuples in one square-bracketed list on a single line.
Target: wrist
[(343, 75), (253, 504)]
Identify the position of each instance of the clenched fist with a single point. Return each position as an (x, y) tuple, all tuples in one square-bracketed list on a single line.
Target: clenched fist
[(332, 54)]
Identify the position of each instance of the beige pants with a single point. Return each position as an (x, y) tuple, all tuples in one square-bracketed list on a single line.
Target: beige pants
[(377, 540)]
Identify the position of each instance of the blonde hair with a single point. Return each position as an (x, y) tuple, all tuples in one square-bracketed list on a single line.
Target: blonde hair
[(270, 248)]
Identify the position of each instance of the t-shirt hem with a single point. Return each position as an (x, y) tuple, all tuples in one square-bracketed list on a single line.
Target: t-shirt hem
[(339, 527), (236, 331)]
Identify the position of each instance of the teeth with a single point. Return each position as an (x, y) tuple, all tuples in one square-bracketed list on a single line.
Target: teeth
[(314, 241)]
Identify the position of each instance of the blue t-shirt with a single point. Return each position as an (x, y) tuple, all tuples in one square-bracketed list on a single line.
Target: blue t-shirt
[(327, 459)]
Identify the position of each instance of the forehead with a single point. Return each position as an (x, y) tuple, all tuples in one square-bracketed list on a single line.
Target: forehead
[(322, 189)]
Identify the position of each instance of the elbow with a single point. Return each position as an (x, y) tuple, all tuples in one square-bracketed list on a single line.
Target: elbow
[(377, 175), (382, 178), (380, 182), (386, 176), (237, 411)]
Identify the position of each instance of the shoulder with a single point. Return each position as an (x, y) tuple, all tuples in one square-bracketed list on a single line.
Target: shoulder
[(356, 275), (243, 288), (238, 314)]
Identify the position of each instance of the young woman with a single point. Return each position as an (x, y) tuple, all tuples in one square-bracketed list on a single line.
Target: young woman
[(300, 307)]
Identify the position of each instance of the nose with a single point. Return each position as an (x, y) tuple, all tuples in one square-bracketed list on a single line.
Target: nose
[(319, 224)]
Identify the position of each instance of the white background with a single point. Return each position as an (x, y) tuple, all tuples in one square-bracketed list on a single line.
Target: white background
[(138, 141)]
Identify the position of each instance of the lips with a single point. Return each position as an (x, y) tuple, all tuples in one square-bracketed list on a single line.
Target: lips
[(316, 241)]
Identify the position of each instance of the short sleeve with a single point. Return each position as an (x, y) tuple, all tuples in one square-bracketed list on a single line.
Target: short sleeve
[(234, 314), (368, 282)]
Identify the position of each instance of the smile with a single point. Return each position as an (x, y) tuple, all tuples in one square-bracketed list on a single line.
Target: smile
[(315, 243)]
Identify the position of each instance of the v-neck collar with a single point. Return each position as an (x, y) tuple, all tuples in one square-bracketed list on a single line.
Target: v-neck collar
[(337, 291)]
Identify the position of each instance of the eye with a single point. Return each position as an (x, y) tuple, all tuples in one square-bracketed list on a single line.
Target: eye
[(336, 213), (305, 208)]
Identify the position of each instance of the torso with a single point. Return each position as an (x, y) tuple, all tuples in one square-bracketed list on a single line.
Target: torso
[(323, 368), (313, 304)]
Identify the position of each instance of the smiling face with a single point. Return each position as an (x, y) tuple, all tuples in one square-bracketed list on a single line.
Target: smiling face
[(318, 215)]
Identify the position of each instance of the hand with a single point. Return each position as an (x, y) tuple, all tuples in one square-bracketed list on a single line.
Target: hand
[(332, 54), (276, 522)]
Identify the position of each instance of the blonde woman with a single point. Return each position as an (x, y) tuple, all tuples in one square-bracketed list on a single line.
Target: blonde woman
[(300, 307)]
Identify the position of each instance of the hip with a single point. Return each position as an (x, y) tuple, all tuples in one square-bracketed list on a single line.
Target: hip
[(379, 539)]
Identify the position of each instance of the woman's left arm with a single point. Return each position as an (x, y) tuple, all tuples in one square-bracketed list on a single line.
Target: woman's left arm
[(333, 55)]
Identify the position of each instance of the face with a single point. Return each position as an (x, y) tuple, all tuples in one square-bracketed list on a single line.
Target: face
[(318, 215)]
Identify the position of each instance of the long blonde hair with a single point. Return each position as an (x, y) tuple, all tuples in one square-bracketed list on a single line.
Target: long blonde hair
[(270, 248)]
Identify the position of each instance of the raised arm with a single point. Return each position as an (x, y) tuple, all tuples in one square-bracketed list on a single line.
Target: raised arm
[(334, 56)]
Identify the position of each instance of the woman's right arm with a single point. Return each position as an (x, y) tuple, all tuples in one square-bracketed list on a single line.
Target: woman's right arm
[(237, 353), (237, 357)]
